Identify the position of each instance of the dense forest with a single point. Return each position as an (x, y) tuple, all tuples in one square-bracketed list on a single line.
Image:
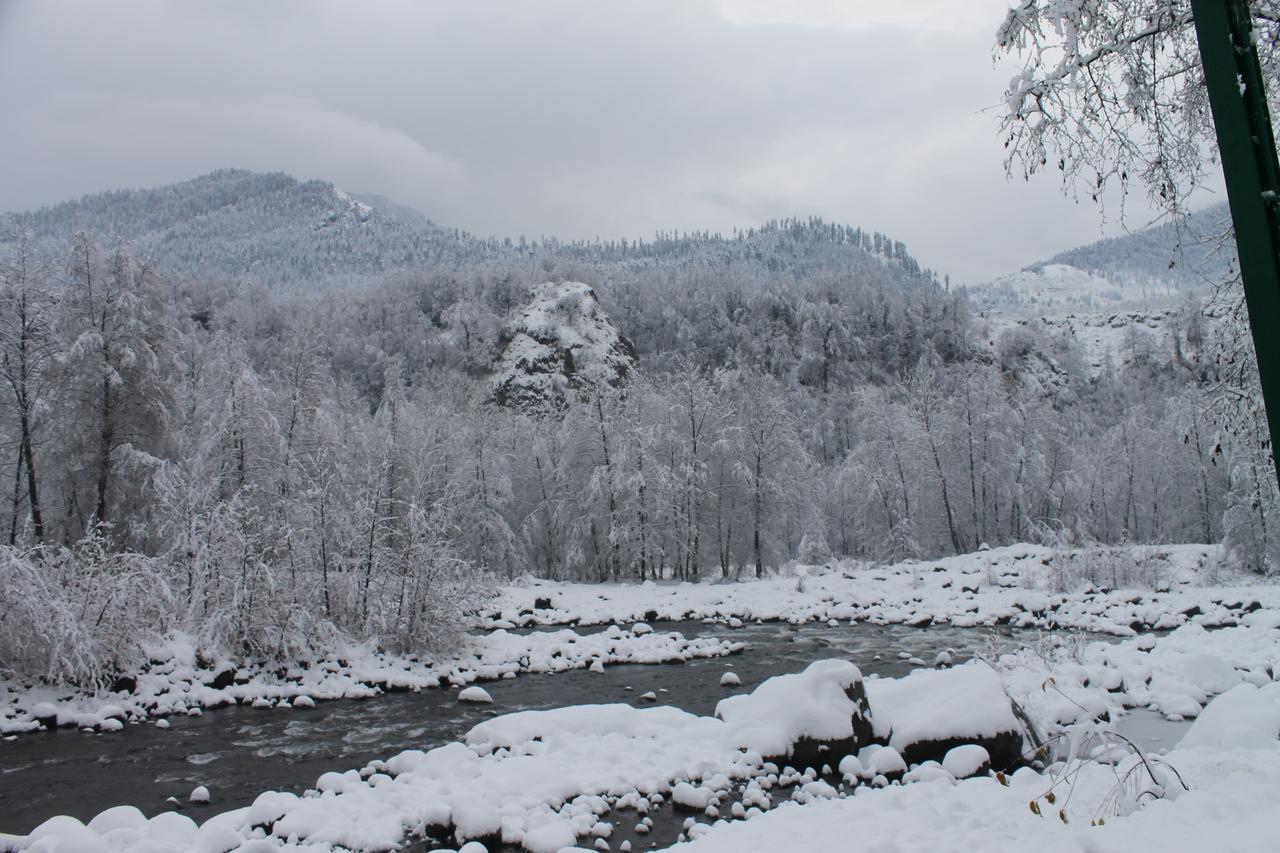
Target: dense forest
[(267, 414)]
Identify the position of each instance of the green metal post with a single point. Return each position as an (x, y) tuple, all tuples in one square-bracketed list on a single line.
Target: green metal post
[(1247, 147)]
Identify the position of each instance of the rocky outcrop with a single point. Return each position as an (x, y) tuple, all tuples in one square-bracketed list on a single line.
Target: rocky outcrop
[(560, 346)]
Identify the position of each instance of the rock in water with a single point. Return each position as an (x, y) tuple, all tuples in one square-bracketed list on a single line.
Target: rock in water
[(475, 694)]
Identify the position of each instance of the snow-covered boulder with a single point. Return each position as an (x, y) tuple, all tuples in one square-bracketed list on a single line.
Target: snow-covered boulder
[(560, 344), (808, 719), (1246, 717), (691, 798), (965, 761), (476, 695), (928, 712)]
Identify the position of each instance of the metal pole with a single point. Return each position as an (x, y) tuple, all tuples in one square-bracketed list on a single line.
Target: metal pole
[(1247, 148)]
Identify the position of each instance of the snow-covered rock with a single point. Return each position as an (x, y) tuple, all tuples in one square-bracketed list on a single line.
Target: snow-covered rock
[(966, 760), (1244, 717), (561, 343), (791, 716), (930, 711), (475, 694)]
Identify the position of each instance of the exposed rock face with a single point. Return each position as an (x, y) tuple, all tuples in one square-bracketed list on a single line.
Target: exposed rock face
[(561, 344)]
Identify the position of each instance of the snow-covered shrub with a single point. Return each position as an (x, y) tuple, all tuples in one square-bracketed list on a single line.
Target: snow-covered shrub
[(1113, 567), (79, 614)]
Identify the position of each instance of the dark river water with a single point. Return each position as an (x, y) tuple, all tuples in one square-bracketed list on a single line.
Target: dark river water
[(239, 752)]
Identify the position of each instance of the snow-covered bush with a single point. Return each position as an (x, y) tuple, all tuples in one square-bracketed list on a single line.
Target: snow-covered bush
[(81, 614), (1107, 566)]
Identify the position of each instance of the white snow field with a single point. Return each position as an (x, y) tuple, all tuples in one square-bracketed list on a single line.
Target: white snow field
[(550, 780)]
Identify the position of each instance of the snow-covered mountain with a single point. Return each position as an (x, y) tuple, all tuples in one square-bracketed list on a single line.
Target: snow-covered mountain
[(276, 230), (1116, 299), (270, 228)]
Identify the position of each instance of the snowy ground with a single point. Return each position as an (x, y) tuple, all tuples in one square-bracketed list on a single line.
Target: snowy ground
[(546, 780), (1112, 591)]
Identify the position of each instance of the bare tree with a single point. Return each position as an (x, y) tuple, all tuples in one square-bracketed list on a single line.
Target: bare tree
[(27, 348)]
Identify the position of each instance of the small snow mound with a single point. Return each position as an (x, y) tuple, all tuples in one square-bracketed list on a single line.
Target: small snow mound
[(689, 797), (474, 817), (63, 833), (851, 768), (965, 761), (886, 761), (549, 838), (1245, 717), (199, 794), (475, 694), (650, 696), (303, 702), (730, 679), (640, 629)]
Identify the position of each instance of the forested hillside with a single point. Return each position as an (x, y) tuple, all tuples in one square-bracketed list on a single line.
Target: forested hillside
[(284, 409), (1183, 255)]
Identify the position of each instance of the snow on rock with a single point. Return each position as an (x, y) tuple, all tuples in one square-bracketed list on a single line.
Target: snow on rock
[(690, 797), (730, 679), (966, 760), (851, 768), (791, 715), (475, 694), (929, 711), (549, 838), (1234, 805), (1244, 717), (883, 761), (199, 794), (560, 343)]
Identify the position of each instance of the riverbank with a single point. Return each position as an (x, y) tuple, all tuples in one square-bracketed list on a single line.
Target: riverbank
[(1185, 637), (1117, 591), (592, 774), (1110, 590), (178, 680)]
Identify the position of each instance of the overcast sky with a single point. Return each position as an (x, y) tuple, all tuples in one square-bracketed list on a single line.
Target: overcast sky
[(541, 117)]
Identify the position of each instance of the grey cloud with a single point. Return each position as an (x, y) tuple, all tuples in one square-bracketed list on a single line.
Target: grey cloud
[(577, 119)]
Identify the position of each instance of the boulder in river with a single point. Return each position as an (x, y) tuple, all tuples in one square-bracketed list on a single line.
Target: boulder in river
[(929, 712), (807, 719)]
